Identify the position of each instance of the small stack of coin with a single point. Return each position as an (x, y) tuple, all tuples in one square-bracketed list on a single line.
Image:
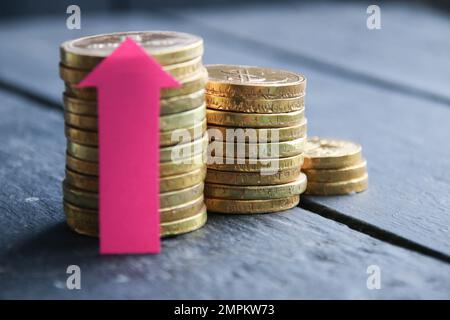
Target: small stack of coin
[(334, 167), (258, 130), (182, 207)]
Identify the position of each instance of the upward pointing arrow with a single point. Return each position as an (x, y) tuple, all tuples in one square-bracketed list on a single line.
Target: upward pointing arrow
[(128, 91)]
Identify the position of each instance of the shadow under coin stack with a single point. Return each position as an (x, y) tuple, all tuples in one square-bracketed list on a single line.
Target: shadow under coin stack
[(257, 129), (182, 207), (334, 167)]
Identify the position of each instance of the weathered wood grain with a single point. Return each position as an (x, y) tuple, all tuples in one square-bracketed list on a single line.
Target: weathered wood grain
[(403, 137), (295, 254), (409, 52)]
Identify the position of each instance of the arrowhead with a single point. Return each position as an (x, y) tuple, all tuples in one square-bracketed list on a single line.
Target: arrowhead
[(129, 63)]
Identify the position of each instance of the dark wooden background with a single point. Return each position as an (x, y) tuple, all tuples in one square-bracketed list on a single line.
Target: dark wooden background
[(388, 89)]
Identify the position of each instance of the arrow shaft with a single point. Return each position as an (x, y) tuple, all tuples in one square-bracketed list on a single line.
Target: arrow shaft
[(129, 169)]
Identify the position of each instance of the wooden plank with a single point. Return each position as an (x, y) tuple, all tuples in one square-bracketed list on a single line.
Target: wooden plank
[(408, 193), (295, 254), (411, 48)]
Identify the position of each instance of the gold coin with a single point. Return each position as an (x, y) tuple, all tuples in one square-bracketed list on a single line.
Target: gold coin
[(182, 119), (183, 151), (80, 220), (166, 138), (168, 106), (255, 120), (89, 138), (253, 82), (178, 197), (189, 85), (184, 225), (81, 166), (252, 178), (228, 134), (182, 181), (82, 152), (182, 103), (164, 46), (338, 188), (336, 175), (168, 200), (82, 181), (85, 221), (175, 153), (257, 150), (195, 162), (80, 106), (251, 206), (242, 104), (81, 198), (166, 184), (182, 211), (255, 165), (179, 71), (169, 138), (80, 121), (222, 191), (166, 123), (330, 153), (192, 163)]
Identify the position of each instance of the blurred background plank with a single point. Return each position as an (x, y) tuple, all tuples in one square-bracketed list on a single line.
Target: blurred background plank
[(290, 255)]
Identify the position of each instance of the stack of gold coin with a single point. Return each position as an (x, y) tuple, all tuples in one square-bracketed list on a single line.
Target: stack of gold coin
[(182, 207), (257, 128), (334, 167)]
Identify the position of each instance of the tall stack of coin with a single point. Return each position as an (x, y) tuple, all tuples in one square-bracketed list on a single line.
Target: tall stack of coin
[(182, 207), (257, 129), (334, 167)]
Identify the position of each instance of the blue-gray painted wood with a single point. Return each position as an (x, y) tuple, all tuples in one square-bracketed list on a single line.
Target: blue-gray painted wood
[(403, 137), (411, 48), (290, 255)]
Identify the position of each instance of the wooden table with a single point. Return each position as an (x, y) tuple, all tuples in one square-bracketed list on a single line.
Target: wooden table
[(388, 89)]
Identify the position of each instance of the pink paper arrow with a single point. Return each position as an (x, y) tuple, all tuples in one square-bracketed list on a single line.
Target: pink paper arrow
[(128, 91)]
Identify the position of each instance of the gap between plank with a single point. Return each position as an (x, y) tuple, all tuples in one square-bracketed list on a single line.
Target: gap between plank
[(370, 230)]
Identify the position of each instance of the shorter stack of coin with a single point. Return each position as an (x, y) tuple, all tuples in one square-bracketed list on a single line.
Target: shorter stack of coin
[(334, 167), (182, 207), (258, 130)]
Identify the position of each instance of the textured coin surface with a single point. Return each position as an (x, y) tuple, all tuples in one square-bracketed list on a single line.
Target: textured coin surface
[(220, 133), (189, 85), (173, 137), (183, 151), (81, 166), (179, 71), (255, 120), (165, 46), (178, 197), (85, 221), (182, 211), (337, 175), (269, 166), (182, 103), (182, 181), (82, 181), (222, 191), (80, 106), (338, 188), (261, 150), (191, 163), (251, 206), (182, 119), (242, 104), (81, 121), (330, 153), (184, 225), (82, 152), (80, 198), (85, 137), (251, 178), (254, 82)]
